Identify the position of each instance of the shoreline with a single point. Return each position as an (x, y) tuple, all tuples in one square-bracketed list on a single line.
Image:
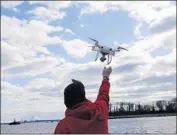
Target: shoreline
[(143, 115), (112, 117)]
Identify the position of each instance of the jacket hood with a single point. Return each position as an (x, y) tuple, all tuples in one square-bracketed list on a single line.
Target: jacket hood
[(85, 110)]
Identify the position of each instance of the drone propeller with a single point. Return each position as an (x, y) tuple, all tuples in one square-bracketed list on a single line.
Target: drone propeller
[(96, 42), (93, 40), (122, 48)]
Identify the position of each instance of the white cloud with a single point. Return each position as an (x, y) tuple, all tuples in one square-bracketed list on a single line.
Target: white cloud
[(151, 42), (9, 55), (16, 10), (76, 47), (31, 67), (70, 31), (53, 4), (43, 13), (25, 104), (165, 20), (41, 49), (53, 10), (141, 11), (40, 84), (19, 51), (9, 89), (13, 95), (137, 30), (81, 25), (21, 32), (164, 64), (10, 4), (94, 7), (21, 39)]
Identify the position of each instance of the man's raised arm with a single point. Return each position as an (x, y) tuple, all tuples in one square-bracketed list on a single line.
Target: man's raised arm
[(103, 95)]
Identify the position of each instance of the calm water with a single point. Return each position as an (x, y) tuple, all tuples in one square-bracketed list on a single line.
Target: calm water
[(143, 125), (128, 125)]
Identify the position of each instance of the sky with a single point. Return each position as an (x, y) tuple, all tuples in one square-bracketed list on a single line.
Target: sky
[(45, 44)]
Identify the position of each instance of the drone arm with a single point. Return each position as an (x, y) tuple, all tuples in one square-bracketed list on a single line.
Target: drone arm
[(116, 50), (96, 44)]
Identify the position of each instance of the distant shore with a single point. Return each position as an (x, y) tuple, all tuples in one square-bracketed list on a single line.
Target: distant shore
[(113, 117), (142, 115)]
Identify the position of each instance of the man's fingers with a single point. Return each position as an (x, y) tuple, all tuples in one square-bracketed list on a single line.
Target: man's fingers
[(110, 69)]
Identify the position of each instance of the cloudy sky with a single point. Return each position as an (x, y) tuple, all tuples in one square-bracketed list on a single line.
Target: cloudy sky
[(44, 45)]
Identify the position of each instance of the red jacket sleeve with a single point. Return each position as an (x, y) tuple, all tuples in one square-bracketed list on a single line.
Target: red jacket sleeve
[(103, 95)]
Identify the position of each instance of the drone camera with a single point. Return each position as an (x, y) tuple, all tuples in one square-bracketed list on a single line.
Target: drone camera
[(102, 59)]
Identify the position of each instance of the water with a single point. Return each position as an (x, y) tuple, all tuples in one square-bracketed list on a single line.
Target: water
[(145, 125), (127, 125)]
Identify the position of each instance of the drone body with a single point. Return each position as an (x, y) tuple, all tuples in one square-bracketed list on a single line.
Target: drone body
[(104, 50)]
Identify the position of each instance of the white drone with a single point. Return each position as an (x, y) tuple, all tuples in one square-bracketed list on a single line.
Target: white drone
[(104, 50)]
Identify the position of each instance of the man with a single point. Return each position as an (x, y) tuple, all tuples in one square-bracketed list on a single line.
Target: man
[(82, 116)]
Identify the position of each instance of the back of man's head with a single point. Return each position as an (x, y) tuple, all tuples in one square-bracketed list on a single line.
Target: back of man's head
[(74, 93)]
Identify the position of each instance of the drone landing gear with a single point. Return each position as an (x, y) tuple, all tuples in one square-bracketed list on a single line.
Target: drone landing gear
[(109, 59), (103, 58)]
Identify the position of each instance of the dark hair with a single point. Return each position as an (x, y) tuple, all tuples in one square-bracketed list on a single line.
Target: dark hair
[(74, 93)]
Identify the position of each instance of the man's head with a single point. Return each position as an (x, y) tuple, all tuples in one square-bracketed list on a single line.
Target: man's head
[(74, 93)]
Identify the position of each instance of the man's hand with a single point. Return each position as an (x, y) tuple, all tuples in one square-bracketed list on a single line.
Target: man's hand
[(106, 72)]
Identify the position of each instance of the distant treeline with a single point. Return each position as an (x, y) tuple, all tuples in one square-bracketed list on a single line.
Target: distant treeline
[(128, 108)]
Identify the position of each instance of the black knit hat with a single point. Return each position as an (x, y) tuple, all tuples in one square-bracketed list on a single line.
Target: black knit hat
[(74, 93)]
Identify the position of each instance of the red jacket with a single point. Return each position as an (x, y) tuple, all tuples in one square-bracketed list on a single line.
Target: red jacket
[(87, 117)]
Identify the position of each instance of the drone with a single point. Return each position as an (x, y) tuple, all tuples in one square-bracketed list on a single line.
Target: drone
[(104, 50)]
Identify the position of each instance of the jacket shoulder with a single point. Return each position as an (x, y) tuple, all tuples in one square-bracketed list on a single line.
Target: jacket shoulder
[(62, 127)]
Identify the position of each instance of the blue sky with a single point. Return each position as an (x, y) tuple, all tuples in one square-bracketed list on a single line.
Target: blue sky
[(44, 45)]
